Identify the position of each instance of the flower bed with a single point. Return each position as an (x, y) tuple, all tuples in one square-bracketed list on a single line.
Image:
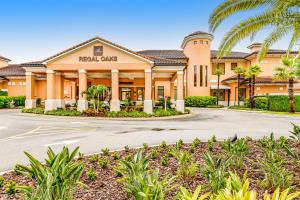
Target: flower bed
[(266, 163), (105, 113)]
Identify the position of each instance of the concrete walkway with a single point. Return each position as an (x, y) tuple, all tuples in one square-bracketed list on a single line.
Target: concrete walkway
[(35, 134)]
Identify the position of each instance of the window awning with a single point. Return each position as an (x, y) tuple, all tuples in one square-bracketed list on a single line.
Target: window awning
[(222, 87)]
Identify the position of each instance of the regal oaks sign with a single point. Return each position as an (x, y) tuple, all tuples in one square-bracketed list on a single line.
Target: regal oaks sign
[(98, 56), (98, 59)]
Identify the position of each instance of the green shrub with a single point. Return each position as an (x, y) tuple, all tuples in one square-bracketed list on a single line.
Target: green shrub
[(3, 93), (10, 187), (154, 154), (59, 176), (91, 175), (115, 156), (103, 162), (215, 106), (2, 179), (7, 102), (161, 102), (133, 114), (94, 158), (126, 148), (105, 151), (168, 112), (34, 110), (61, 112), (165, 160), (200, 101), (261, 103)]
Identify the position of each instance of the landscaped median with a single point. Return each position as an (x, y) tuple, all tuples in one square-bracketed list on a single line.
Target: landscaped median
[(132, 113), (233, 169)]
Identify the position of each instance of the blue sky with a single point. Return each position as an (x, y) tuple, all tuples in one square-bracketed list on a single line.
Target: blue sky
[(35, 29)]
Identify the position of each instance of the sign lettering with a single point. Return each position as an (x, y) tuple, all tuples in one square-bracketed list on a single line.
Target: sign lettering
[(98, 59)]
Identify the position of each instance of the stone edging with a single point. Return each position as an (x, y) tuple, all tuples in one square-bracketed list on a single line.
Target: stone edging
[(111, 118)]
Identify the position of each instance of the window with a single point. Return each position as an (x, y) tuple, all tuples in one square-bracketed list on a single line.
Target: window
[(242, 94), (201, 75), (195, 75), (221, 94), (175, 92), (98, 50), (206, 42), (140, 94), (201, 41), (206, 74), (160, 92), (218, 66), (233, 66), (195, 42)]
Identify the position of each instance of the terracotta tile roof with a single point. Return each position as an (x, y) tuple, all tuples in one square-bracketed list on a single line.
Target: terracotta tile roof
[(3, 58), (273, 51), (197, 33), (167, 62), (12, 70), (33, 64), (231, 55), (168, 54), (260, 79)]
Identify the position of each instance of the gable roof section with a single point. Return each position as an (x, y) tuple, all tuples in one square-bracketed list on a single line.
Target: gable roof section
[(94, 40), (5, 59), (231, 55)]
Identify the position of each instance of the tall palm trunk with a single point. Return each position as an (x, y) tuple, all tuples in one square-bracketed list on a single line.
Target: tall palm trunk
[(250, 89), (291, 95), (252, 92), (218, 90), (238, 80)]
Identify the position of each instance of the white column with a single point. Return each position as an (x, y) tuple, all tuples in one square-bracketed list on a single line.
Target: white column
[(115, 101), (148, 104), (82, 79), (180, 95)]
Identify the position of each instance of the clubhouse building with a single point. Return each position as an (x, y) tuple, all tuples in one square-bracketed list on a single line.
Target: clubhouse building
[(143, 76)]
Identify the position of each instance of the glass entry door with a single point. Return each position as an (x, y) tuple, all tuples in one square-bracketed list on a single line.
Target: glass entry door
[(125, 93)]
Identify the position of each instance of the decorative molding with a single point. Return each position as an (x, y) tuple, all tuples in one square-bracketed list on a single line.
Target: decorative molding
[(50, 71), (114, 71), (28, 73), (82, 71), (148, 70), (180, 72)]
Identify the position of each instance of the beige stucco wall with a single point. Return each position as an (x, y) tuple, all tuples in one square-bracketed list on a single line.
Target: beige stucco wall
[(15, 87), (125, 61), (198, 54), (3, 63)]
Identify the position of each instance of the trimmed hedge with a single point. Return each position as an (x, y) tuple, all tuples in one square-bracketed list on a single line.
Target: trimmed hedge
[(280, 103), (261, 103), (6, 102), (200, 101), (3, 93)]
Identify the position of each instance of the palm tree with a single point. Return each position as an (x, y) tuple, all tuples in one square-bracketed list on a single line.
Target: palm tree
[(290, 71), (239, 71), (94, 93), (218, 73), (282, 15), (252, 72)]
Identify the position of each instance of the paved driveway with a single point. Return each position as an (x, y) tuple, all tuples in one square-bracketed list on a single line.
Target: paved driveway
[(20, 133)]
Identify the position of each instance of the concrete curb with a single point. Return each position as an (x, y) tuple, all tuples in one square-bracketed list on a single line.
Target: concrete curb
[(110, 118)]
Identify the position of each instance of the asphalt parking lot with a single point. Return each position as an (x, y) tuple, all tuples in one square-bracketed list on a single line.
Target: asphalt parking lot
[(19, 133)]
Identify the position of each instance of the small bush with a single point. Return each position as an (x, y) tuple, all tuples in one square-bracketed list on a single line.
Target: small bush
[(261, 103), (115, 156), (34, 110), (17, 169), (163, 144), (215, 106), (165, 160), (154, 154), (7, 102), (94, 158), (61, 112), (126, 148), (133, 114), (163, 113), (145, 145), (91, 175), (2, 179), (105, 151), (103, 163), (10, 187), (3, 93), (196, 142), (200, 101)]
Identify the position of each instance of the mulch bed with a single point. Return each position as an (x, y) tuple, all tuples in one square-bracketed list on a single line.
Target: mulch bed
[(107, 187)]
